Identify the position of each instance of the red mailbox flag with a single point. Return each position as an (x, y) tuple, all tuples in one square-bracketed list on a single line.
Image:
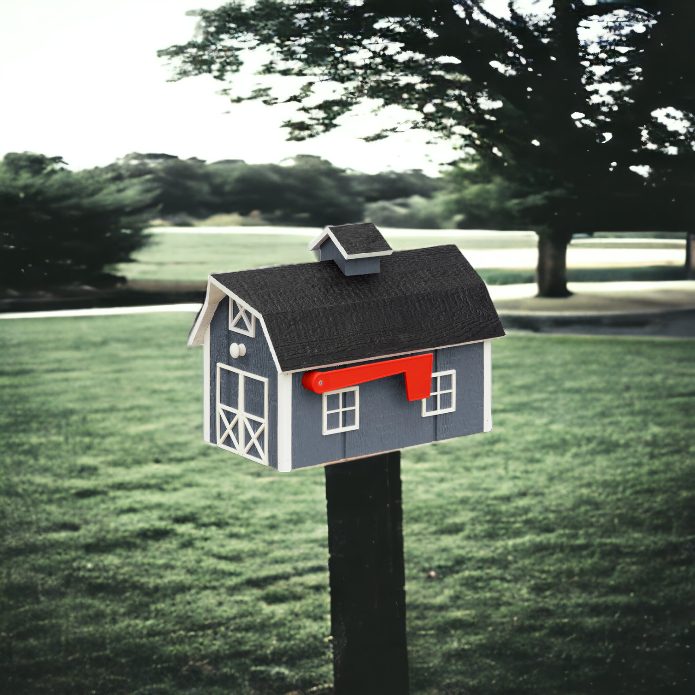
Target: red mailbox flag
[(416, 368)]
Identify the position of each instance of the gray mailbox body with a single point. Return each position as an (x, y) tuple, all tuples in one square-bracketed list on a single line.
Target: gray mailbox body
[(359, 304)]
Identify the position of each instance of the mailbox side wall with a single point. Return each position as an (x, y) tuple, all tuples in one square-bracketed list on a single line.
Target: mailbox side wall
[(388, 421), (258, 360)]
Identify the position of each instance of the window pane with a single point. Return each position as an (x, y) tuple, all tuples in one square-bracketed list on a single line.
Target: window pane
[(445, 401), (333, 421), (348, 418), (332, 401), (431, 404), (348, 399), (445, 382)]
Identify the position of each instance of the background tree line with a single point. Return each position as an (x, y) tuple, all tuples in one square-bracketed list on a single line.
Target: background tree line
[(580, 114), (306, 190), (61, 227)]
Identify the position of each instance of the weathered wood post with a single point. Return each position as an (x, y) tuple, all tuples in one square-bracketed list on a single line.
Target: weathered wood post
[(367, 576)]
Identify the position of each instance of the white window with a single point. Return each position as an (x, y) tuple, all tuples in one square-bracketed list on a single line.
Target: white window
[(442, 396), (341, 410), (241, 320)]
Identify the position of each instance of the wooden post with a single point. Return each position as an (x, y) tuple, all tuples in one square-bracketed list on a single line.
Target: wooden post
[(367, 576), (690, 255)]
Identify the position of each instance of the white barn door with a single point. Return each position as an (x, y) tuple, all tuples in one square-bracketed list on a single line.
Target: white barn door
[(242, 413)]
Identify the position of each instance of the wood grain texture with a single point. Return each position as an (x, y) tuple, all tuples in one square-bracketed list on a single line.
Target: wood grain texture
[(367, 576), (468, 418), (388, 421)]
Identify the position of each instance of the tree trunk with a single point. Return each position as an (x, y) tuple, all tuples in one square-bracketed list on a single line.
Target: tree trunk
[(690, 255), (551, 272)]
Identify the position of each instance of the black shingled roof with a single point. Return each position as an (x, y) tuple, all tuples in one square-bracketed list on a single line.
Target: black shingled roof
[(315, 316), (363, 237)]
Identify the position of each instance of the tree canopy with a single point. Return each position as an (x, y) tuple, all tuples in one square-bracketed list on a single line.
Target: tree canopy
[(59, 227), (585, 109), (306, 190)]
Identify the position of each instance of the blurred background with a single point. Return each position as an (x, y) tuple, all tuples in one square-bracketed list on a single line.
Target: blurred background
[(147, 144)]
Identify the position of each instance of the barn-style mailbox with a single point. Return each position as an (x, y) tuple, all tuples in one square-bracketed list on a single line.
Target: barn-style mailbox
[(366, 350)]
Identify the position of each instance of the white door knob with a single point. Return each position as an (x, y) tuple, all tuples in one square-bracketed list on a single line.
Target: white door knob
[(237, 350)]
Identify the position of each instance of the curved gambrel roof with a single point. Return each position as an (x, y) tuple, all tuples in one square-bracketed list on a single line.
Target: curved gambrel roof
[(316, 316)]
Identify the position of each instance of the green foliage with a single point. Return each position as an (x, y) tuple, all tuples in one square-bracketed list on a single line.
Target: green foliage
[(392, 185), (553, 555), (415, 211), (585, 110), (232, 219), (306, 190), (182, 185), (59, 226), (310, 191)]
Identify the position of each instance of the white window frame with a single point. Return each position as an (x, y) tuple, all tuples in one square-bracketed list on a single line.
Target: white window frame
[(437, 393), (341, 409), (241, 320)]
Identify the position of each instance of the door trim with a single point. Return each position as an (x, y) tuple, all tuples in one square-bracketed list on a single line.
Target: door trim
[(247, 444)]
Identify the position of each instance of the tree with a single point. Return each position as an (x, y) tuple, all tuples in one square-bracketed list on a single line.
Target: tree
[(391, 185), (59, 226), (579, 106), (182, 185), (307, 190)]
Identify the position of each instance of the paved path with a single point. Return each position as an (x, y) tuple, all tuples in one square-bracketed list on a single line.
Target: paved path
[(589, 298), (104, 311)]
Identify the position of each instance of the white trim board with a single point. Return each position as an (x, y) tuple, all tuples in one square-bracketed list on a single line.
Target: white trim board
[(390, 355), (487, 386), (284, 423), (206, 385), (243, 446), (218, 291)]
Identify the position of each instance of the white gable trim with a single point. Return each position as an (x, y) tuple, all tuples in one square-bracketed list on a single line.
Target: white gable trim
[(487, 386), (214, 295), (284, 420), (206, 385), (314, 245)]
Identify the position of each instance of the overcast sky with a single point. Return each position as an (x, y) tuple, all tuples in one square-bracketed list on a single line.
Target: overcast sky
[(81, 79)]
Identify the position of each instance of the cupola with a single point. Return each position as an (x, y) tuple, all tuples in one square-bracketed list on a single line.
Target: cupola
[(356, 249)]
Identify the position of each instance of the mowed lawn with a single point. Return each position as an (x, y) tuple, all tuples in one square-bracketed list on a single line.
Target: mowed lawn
[(191, 256), (555, 555)]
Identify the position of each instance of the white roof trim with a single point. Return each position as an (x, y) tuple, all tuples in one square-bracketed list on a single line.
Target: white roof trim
[(213, 296), (389, 356), (347, 256), (217, 291)]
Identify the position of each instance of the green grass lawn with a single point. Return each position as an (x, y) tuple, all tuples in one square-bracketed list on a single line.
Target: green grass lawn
[(185, 258), (190, 257), (555, 555)]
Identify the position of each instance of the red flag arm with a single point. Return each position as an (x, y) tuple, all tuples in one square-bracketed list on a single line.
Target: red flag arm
[(417, 370)]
